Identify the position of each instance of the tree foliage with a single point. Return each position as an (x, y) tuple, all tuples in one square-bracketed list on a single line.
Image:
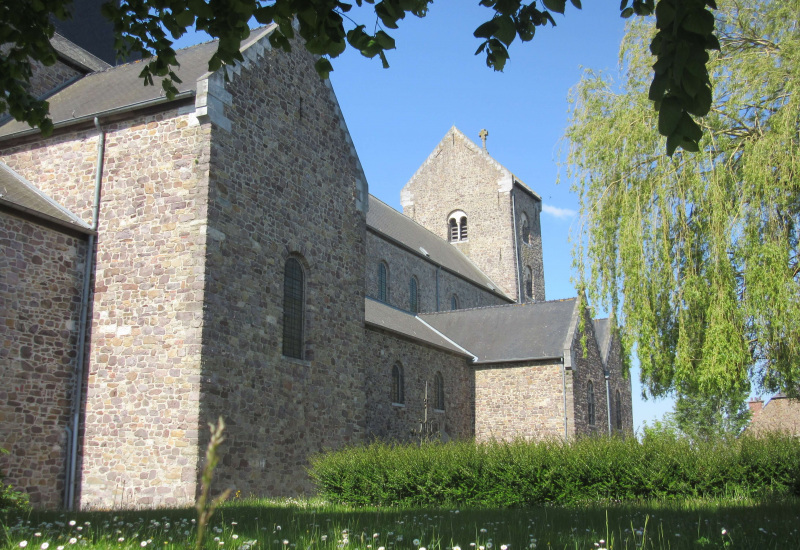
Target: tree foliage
[(697, 254), (147, 28)]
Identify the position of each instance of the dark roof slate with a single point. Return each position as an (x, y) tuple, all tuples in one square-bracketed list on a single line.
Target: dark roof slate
[(21, 194), (602, 334), (396, 226), (391, 319), (120, 87), (514, 332)]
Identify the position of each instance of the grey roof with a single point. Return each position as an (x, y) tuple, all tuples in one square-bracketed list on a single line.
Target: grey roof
[(120, 87), (405, 324), (19, 193), (602, 333), (396, 226), (77, 55), (515, 332)]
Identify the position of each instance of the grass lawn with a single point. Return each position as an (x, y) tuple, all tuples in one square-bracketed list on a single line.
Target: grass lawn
[(313, 525)]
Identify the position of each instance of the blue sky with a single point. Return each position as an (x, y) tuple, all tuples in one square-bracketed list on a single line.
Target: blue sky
[(397, 116)]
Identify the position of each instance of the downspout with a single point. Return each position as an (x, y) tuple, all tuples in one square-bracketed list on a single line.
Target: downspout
[(564, 388), (608, 400), (438, 269), (72, 463), (517, 266)]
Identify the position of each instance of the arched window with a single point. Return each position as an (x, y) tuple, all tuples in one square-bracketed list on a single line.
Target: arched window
[(438, 385), (528, 283), (590, 403), (457, 226), (293, 306), (453, 224), (383, 285), (413, 296), (618, 409), (453, 302), (526, 233), (397, 384)]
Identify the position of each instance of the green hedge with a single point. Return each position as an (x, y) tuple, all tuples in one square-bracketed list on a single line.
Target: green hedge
[(661, 466)]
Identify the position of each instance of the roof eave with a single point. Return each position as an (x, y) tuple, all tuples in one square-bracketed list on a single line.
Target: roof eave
[(103, 114)]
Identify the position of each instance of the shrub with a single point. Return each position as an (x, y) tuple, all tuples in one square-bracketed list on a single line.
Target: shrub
[(11, 500), (661, 466)]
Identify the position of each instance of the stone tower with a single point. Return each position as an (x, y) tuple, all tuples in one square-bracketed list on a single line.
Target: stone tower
[(469, 199)]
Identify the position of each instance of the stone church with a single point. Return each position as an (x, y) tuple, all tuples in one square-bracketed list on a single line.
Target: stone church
[(168, 262)]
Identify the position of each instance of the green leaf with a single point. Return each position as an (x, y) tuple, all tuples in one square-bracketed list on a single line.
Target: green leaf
[(689, 129), (669, 115), (577, 4), (386, 41), (626, 13), (185, 19), (486, 30), (323, 67), (506, 31), (555, 5), (698, 22)]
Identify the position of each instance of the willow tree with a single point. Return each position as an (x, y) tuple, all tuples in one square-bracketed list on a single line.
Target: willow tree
[(697, 254)]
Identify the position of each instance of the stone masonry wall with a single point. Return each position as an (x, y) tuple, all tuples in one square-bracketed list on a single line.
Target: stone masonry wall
[(420, 363), (402, 265), (460, 176), (46, 79), (141, 409), (283, 183), (587, 365), (620, 383), (519, 400), (530, 253), (40, 289)]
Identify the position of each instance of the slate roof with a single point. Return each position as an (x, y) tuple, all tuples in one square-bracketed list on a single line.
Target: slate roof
[(515, 332), (391, 319), (387, 221), (120, 88), (602, 333), (20, 194), (74, 53)]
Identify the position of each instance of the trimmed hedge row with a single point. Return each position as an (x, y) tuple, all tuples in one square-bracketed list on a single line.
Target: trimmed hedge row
[(521, 473)]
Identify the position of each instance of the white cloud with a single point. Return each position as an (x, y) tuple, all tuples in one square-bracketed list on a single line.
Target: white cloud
[(556, 212)]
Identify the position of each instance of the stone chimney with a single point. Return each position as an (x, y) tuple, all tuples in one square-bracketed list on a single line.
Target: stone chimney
[(755, 406)]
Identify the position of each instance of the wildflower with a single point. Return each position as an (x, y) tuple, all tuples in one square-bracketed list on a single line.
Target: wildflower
[(143, 543), (415, 542), (60, 547), (45, 545), (324, 538), (234, 537), (489, 544), (73, 540), (376, 535), (421, 548), (121, 539), (503, 547), (381, 548), (483, 530), (724, 531), (234, 523), (456, 548), (278, 528), (72, 523), (285, 542), (23, 543)]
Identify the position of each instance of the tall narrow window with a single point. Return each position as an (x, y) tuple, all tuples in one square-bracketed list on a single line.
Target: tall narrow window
[(463, 228), (526, 235), (590, 403), (413, 296), (383, 292), (438, 386), (618, 409), (293, 305), (454, 302), (397, 384), (453, 229), (528, 283)]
